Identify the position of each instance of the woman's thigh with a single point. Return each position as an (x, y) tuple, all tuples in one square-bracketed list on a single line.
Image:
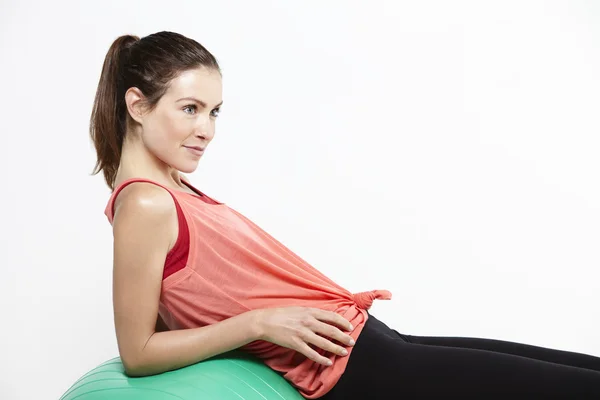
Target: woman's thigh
[(518, 349), (384, 365)]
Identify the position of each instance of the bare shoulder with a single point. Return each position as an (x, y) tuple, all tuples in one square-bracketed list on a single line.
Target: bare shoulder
[(144, 200), (146, 212)]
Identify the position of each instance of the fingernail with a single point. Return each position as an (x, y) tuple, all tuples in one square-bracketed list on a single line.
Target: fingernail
[(352, 343), (344, 352), (351, 328), (329, 363)]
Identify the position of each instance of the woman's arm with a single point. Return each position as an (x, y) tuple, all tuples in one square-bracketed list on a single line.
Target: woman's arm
[(145, 229)]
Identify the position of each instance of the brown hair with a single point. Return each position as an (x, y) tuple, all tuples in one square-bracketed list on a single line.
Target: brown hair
[(148, 64)]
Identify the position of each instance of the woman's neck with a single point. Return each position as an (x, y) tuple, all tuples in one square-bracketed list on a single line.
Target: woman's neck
[(137, 162)]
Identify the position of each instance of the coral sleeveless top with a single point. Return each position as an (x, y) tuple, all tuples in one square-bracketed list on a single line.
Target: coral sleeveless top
[(223, 265)]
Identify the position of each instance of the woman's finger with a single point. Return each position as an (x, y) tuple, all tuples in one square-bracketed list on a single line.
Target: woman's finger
[(332, 332), (324, 344), (333, 318), (312, 354)]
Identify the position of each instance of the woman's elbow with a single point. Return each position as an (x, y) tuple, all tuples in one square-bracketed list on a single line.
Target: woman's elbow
[(135, 366)]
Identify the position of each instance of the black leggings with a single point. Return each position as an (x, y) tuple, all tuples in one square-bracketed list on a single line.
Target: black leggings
[(385, 364)]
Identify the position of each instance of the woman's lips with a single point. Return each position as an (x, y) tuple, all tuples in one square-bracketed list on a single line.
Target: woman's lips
[(196, 150)]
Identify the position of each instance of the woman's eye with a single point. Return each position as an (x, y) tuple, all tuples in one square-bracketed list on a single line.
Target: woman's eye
[(213, 113), (191, 106)]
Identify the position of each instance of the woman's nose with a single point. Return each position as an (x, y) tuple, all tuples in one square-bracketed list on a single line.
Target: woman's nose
[(205, 130)]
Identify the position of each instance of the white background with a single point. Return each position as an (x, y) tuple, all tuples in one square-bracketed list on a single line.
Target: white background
[(445, 151)]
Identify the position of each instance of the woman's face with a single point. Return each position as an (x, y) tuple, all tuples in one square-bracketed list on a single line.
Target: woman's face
[(182, 125)]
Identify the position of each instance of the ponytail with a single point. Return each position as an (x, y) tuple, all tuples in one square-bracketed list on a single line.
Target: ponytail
[(108, 118)]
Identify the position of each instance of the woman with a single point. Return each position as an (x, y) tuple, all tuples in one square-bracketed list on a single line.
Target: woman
[(193, 278)]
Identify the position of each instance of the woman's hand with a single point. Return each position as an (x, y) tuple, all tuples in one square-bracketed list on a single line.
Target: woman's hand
[(297, 327)]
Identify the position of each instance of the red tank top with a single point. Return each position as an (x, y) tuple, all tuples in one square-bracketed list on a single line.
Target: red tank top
[(223, 265)]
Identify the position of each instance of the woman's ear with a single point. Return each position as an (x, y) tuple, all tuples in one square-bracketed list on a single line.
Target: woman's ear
[(134, 100)]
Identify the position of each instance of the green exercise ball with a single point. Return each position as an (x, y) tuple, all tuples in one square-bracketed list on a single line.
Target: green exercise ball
[(233, 375)]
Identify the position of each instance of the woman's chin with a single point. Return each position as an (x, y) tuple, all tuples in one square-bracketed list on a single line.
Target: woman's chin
[(187, 167)]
